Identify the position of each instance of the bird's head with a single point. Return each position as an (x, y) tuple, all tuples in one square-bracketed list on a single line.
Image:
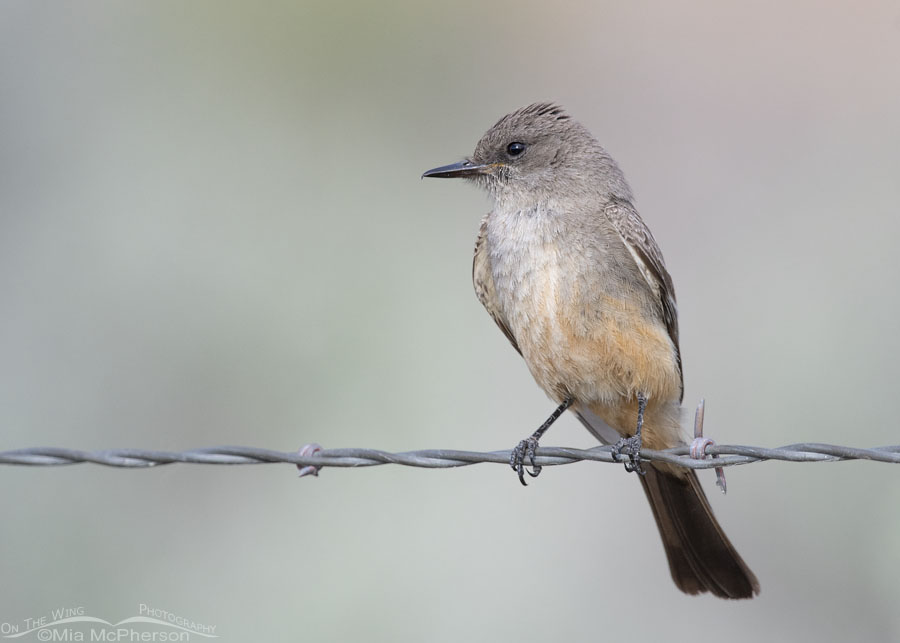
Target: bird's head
[(536, 151)]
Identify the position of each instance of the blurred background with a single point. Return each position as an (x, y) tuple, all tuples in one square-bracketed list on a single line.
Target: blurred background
[(212, 231)]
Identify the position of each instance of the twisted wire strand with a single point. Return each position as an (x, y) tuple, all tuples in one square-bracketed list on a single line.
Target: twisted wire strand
[(728, 455)]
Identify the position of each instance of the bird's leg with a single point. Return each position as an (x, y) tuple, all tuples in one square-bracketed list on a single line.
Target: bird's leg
[(632, 445), (525, 449)]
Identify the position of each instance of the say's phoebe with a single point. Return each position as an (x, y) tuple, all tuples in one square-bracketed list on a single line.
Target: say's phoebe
[(574, 279)]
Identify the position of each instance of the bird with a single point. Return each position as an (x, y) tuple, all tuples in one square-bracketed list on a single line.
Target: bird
[(573, 277)]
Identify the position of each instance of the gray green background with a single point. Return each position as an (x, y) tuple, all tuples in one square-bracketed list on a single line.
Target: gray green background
[(212, 231)]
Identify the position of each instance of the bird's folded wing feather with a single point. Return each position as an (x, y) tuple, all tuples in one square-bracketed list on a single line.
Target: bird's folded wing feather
[(483, 280), (646, 253)]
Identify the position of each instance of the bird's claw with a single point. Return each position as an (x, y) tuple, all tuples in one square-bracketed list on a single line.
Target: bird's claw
[(630, 447), (524, 452)]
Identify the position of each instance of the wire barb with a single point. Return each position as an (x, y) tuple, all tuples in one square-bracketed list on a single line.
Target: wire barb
[(728, 455), (700, 445)]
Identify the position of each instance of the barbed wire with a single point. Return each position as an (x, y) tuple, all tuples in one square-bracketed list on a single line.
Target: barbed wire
[(724, 456)]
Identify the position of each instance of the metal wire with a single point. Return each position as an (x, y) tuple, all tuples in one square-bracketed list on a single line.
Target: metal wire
[(728, 455)]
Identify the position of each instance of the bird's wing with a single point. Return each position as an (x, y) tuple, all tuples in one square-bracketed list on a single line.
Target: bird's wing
[(646, 254), (483, 280)]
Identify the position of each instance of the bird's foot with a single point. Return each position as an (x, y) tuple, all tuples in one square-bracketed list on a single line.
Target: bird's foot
[(524, 452), (630, 447)]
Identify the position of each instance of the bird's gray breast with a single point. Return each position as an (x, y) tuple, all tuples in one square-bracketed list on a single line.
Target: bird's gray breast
[(547, 263)]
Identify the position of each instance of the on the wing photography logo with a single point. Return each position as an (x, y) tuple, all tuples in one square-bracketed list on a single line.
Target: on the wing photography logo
[(75, 624)]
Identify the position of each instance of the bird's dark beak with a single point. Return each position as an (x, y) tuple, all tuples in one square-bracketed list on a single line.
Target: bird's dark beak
[(458, 170)]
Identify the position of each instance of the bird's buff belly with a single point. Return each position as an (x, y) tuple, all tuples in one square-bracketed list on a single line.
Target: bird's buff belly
[(601, 357)]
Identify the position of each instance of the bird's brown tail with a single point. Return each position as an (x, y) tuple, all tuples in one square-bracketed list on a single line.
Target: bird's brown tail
[(701, 558)]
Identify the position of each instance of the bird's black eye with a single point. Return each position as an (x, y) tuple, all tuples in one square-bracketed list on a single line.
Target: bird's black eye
[(515, 149)]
